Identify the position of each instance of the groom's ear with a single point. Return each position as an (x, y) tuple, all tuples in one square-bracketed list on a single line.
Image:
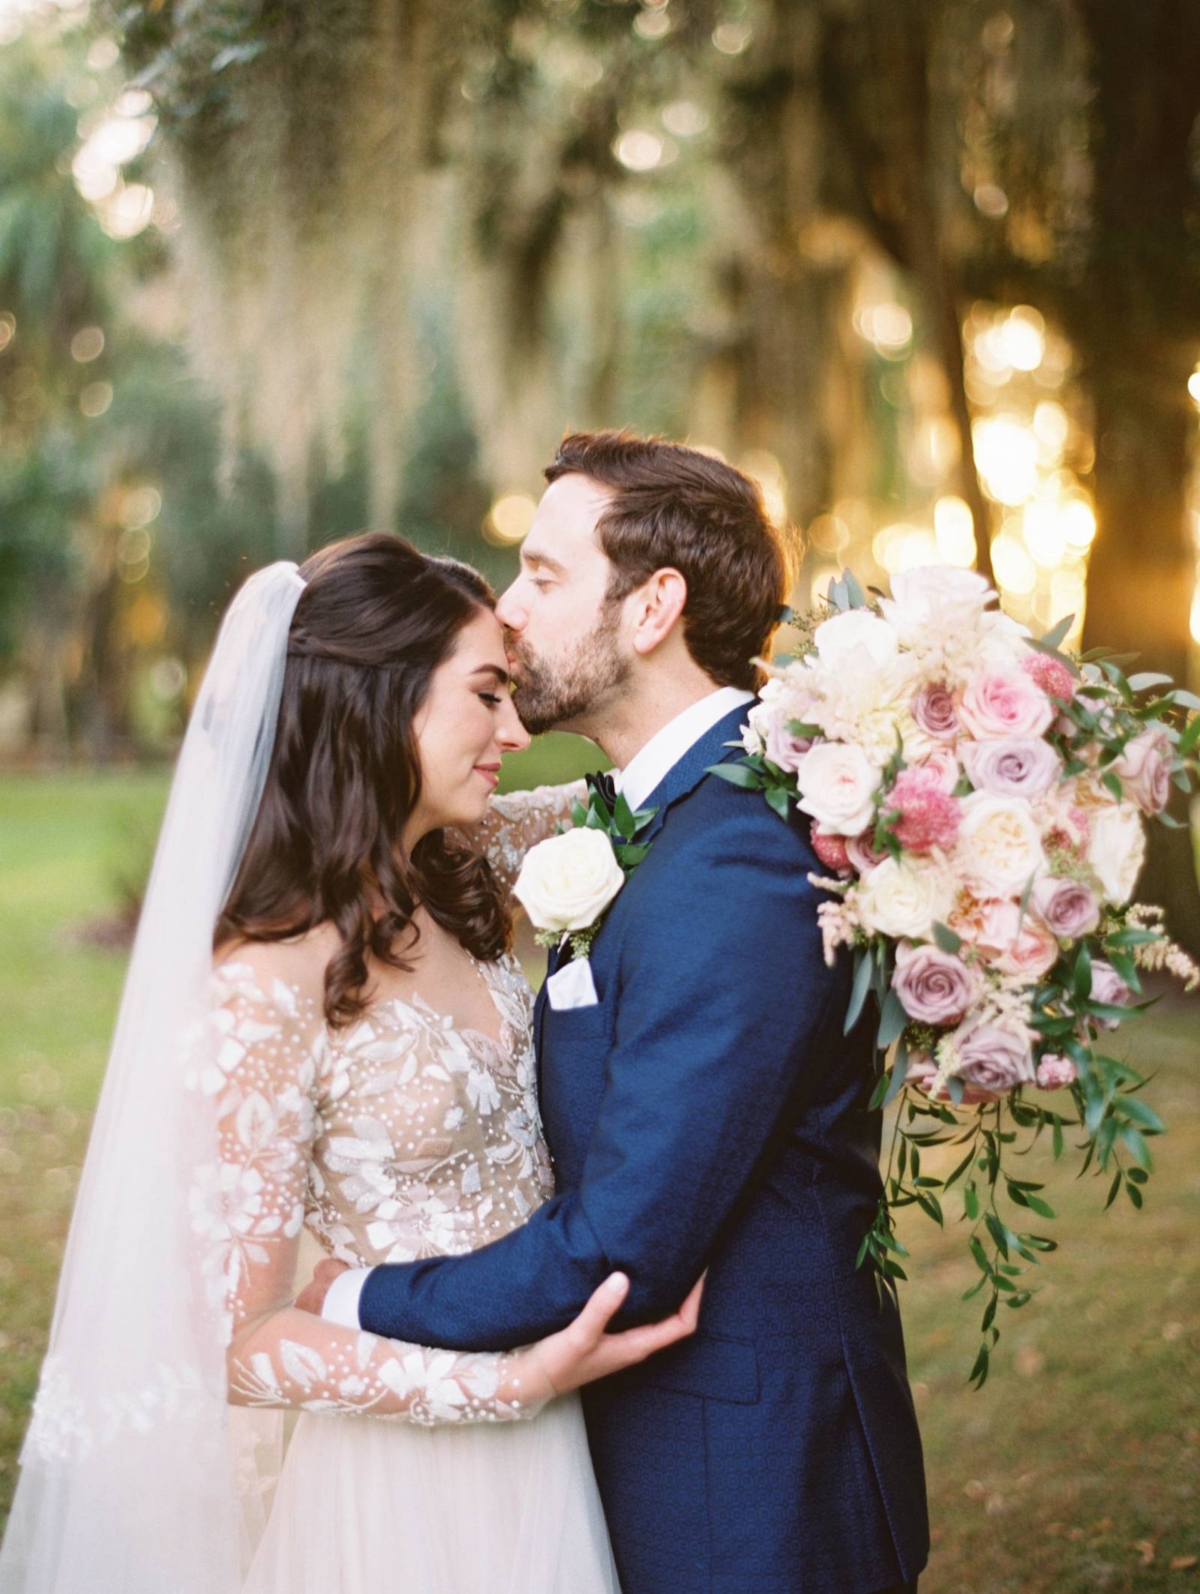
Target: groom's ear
[(656, 606)]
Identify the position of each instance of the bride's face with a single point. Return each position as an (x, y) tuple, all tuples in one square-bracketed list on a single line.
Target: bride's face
[(466, 723)]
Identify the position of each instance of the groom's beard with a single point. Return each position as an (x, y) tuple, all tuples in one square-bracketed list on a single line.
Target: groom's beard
[(550, 692)]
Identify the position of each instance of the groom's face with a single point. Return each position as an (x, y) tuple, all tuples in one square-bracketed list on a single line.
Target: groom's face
[(566, 651)]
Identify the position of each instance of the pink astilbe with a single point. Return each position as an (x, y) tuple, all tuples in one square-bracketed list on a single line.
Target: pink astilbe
[(928, 815), (1052, 676)]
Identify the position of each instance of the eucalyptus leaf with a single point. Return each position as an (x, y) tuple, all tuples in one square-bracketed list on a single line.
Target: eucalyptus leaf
[(899, 1073), (858, 990), (855, 595), (1054, 638), (946, 938), (1145, 679), (892, 1021)]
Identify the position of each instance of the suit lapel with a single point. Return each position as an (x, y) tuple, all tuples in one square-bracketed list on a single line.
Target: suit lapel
[(681, 779), (687, 774)]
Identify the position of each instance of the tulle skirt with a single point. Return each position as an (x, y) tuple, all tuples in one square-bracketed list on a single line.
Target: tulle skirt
[(367, 1506)]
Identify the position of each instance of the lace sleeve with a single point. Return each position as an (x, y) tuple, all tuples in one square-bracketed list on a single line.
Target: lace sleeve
[(268, 1120), (519, 820)]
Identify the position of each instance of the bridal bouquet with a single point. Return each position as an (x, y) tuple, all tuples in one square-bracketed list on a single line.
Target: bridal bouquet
[(979, 800)]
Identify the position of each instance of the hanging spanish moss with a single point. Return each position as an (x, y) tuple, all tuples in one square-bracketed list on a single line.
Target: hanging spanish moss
[(297, 134)]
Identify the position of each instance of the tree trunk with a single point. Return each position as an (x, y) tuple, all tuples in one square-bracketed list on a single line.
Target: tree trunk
[(1138, 331)]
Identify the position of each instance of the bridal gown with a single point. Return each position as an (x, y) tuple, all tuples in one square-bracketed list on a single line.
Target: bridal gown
[(409, 1470)]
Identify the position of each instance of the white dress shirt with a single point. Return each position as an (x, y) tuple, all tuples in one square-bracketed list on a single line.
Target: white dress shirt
[(643, 774)]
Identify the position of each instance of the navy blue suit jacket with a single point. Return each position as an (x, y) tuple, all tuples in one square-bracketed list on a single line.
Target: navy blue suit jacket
[(709, 1112)]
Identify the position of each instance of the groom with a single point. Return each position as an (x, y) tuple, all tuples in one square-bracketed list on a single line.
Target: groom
[(705, 1110)]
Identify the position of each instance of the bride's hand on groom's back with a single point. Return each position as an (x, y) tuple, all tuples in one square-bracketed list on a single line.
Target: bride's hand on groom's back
[(585, 1351), (312, 1297)]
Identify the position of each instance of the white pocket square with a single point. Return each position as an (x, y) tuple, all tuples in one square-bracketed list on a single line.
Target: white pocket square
[(572, 986)]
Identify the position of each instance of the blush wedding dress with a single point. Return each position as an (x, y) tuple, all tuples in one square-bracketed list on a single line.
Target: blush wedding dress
[(403, 1136)]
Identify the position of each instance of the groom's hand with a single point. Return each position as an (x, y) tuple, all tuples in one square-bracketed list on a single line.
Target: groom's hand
[(312, 1297)]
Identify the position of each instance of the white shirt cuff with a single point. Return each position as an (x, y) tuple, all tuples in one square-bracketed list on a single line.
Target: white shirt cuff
[(341, 1300)]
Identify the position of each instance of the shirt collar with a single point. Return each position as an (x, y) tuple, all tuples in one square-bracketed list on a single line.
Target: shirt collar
[(650, 765)]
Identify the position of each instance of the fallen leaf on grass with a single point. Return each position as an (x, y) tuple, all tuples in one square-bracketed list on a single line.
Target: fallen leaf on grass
[(1145, 1548), (1183, 1563)]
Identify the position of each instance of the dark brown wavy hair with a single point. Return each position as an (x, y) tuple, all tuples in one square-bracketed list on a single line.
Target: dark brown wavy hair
[(373, 623)]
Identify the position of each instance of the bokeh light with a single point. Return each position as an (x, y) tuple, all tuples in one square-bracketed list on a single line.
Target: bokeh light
[(954, 529), (509, 518), (87, 344)]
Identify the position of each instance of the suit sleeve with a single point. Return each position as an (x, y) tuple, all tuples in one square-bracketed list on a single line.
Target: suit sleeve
[(723, 994)]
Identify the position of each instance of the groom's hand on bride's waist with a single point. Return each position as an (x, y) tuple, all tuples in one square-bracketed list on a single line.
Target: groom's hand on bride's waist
[(312, 1297)]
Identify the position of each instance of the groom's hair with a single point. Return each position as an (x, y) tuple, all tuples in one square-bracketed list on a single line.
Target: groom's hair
[(679, 507)]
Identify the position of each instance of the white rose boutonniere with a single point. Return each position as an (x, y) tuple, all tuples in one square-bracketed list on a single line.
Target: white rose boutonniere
[(566, 883)]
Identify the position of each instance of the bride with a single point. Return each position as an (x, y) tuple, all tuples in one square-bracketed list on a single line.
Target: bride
[(356, 1062)]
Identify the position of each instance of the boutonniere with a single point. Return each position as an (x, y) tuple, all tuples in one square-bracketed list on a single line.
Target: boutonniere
[(566, 883)]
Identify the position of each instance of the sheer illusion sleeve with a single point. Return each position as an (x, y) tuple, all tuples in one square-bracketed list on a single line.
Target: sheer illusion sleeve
[(268, 1063), (519, 820)]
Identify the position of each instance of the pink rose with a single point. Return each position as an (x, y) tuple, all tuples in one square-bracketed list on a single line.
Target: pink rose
[(994, 1059), (1052, 676), (923, 1071), (1144, 769), (934, 987), (942, 763), (1055, 1072), (1110, 988), (1005, 705), (781, 747), (1033, 951), (928, 816), (1066, 907), (863, 854), (934, 711), (1014, 945), (831, 850), (1012, 769)]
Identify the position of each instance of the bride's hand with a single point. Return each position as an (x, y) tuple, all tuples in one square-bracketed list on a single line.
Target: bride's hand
[(583, 1352)]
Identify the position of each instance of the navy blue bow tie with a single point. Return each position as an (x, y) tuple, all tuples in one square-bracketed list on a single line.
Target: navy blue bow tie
[(606, 787)]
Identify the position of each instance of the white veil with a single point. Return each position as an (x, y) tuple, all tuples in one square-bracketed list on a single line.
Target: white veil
[(126, 1484)]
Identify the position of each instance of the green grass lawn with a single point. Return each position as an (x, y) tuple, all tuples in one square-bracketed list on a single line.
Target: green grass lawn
[(1076, 1469)]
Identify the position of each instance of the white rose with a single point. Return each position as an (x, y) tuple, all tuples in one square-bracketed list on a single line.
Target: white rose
[(1117, 849), (940, 596), (840, 640), (754, 732), (1001, 639), (837, 784), (999, 845), (566, 883), (904, 898)]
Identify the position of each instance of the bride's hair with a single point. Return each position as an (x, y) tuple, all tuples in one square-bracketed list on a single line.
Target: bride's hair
[(373, 623)]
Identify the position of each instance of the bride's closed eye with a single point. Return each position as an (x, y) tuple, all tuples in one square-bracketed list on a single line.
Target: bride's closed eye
[(490, 697)]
